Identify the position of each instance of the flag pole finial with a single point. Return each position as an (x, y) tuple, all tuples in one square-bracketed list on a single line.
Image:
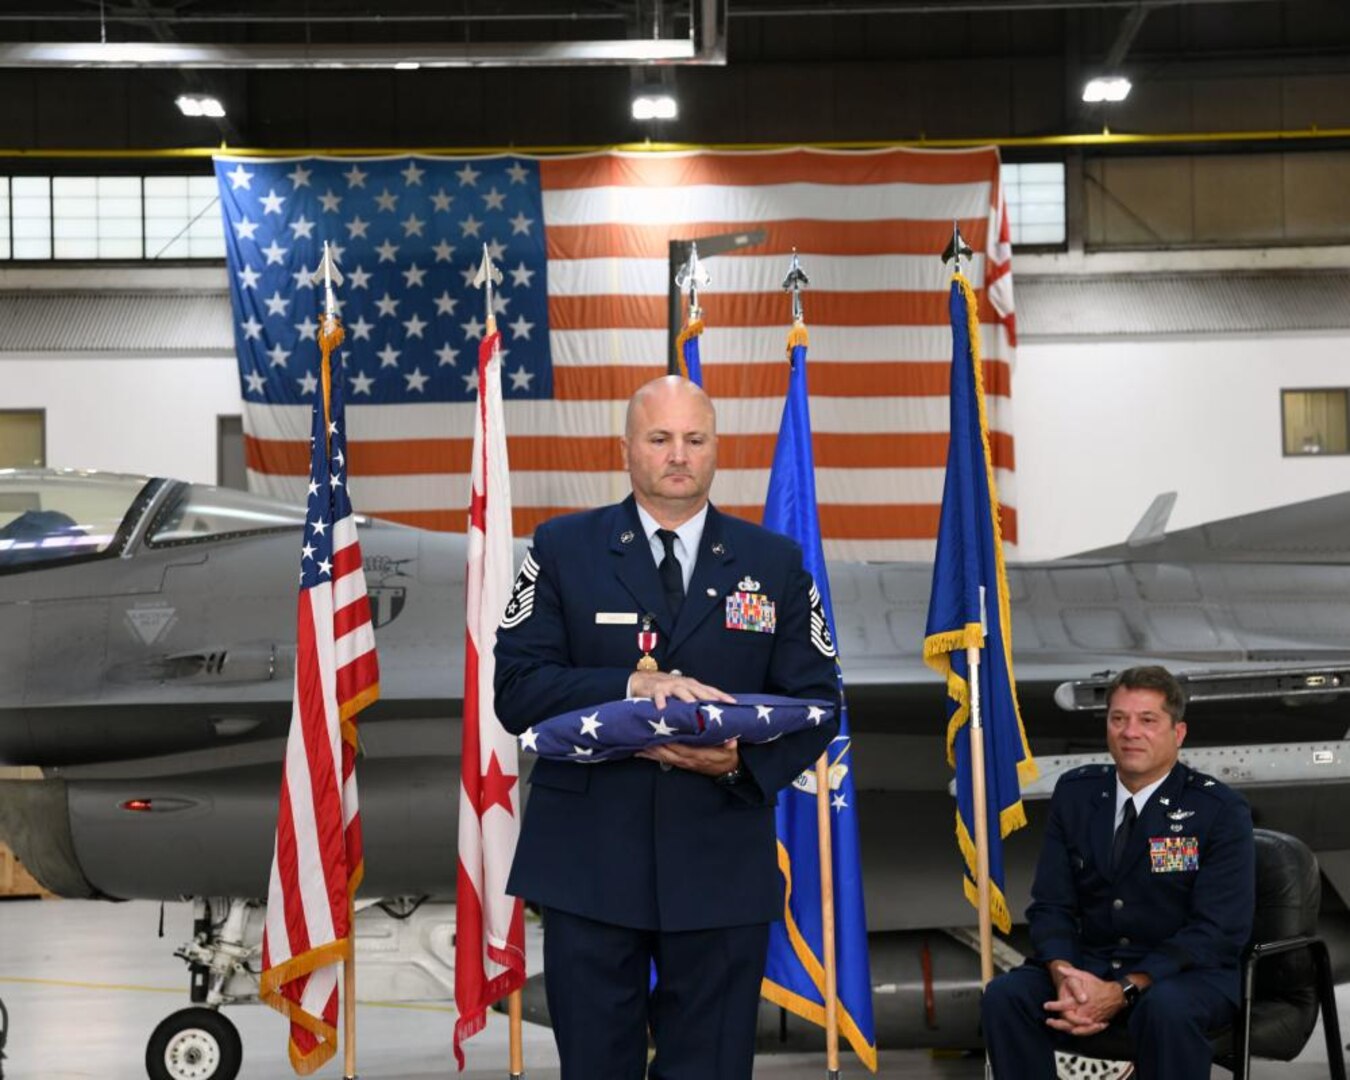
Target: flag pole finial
[(488, 275), (956, 249), (794, 283), (690, 278), (327, 272)]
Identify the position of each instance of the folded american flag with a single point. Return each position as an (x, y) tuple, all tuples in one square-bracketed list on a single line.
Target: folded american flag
[(619, 729)]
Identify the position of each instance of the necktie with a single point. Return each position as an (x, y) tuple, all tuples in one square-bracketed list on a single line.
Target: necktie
[(672, 576), (1123, 831)]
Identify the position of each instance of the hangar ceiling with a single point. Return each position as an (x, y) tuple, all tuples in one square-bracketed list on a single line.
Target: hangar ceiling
[(100, 73)]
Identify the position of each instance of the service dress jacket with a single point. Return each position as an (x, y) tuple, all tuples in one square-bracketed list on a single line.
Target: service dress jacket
[(1182, 897), (627, 842)]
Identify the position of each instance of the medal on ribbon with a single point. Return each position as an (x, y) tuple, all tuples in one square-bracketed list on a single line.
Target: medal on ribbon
[(646, 640)]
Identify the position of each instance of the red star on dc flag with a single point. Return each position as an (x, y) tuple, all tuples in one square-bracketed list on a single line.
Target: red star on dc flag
[(496, 789)]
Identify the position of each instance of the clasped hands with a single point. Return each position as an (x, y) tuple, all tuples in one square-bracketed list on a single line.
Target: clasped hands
[(661, 686), (1083, 1004)]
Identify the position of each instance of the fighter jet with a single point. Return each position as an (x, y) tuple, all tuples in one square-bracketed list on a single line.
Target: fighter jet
[(146, 655)]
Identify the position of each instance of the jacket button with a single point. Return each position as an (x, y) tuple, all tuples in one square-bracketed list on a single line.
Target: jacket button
[(676, 671), (665, 766), (1124, 941), (1115, 965), (1117, 903)]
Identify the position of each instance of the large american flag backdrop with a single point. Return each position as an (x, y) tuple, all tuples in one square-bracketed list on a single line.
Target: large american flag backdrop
[(582, 241)]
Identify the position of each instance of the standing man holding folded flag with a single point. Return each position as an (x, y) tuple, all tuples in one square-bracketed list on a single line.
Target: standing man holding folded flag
[(317, 863), (970, 632), (795, 977), (489, 925)]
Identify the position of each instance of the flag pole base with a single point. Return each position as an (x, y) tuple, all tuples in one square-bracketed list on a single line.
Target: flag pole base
[(832, 1074), (516, 1076)]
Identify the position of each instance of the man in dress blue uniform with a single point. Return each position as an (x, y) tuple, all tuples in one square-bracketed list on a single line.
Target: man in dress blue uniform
[(670, 856), (1141, 906)]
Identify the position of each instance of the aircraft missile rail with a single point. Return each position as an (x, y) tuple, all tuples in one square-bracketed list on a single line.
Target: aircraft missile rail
[(1089, 695), (1260, 765)]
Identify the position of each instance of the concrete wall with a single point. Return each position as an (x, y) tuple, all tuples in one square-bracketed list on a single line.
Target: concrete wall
[(155, 416), (1104, 426)]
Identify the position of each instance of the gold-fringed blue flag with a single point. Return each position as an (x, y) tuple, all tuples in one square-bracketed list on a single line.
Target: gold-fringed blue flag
[(969, 606), (795, 974), (686, 349)]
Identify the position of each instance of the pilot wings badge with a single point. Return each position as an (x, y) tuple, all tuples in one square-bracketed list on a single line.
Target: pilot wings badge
[(1180, 815)]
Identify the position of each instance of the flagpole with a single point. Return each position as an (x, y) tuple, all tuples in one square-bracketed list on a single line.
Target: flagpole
[(976, 735), (349, 996), (824, 842)]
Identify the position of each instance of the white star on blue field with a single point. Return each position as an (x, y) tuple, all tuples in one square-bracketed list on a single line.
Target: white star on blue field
[(408, 233)]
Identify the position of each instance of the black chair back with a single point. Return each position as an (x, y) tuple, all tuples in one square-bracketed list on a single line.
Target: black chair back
[(1288, 899)]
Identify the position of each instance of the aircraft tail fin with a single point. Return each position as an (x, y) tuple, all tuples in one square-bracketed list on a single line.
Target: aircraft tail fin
[(1152, 526)]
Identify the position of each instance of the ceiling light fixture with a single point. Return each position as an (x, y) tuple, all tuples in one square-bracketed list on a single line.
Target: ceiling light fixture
[(655, 106), (1106, 88), (200, 105)]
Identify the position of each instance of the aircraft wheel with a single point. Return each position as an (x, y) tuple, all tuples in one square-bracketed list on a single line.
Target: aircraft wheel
[(194, 1044)]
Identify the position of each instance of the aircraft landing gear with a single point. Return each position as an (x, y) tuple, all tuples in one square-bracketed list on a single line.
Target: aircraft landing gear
[(194, 1044)]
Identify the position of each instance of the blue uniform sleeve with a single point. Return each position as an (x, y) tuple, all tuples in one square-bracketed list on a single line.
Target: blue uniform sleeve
[(1222, 902), (535, 677), (1054, 910), (799, 669)]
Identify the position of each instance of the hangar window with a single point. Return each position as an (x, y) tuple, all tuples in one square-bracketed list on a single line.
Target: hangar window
[(1315, 422), (4, 217), (1035, 195), (110, 217)]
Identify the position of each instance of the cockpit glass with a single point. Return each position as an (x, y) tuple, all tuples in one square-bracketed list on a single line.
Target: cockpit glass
[(50, 517), (210, 513)]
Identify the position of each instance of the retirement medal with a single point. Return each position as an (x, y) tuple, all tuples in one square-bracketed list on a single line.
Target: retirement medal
[(646, 640)]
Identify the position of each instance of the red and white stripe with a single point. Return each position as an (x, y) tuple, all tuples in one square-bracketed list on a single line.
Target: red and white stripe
[(489, 924), (868, 227), (317, 862)]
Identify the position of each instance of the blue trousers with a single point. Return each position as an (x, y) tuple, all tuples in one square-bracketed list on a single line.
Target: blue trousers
[(701, 1014), (1167, 1027)]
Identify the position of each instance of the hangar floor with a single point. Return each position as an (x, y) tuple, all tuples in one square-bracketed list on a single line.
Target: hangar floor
[(86, 983)]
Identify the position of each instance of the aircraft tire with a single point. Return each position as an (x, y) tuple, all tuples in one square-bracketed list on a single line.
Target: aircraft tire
[(194, 1044)]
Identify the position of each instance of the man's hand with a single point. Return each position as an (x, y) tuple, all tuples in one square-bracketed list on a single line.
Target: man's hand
[(661, 686), (708, 760), (1084, 1004)]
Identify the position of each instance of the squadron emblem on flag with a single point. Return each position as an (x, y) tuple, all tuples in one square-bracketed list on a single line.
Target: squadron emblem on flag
[(820, 629), (521, 605)]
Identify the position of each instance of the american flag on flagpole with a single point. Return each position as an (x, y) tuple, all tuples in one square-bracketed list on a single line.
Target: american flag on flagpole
[(489, 924), (584, 243), (318, 861)]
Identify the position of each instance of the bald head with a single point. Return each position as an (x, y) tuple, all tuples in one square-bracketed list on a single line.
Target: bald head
[(663, 393), (670, 448)]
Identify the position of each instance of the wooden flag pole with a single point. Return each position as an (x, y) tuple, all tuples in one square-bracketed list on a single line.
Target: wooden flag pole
[(517, 1051), (349, 996), (825, 845), (976, 732)]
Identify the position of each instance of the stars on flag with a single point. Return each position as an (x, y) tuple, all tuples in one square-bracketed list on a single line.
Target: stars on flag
[(413, 231)]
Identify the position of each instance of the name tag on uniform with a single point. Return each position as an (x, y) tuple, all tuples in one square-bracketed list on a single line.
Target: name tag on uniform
[(1173, 854), (616, 618), (751, 611)]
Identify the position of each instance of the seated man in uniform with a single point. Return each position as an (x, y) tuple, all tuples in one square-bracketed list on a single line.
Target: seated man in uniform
[(1141, 906)]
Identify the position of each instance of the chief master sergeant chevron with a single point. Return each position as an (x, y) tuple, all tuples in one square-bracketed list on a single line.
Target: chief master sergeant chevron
[(1141, 905), (672, 856)]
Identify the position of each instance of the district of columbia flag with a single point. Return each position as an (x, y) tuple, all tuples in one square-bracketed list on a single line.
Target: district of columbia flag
[(795, 974), (489, 924), (969, 606), (317, 862)]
